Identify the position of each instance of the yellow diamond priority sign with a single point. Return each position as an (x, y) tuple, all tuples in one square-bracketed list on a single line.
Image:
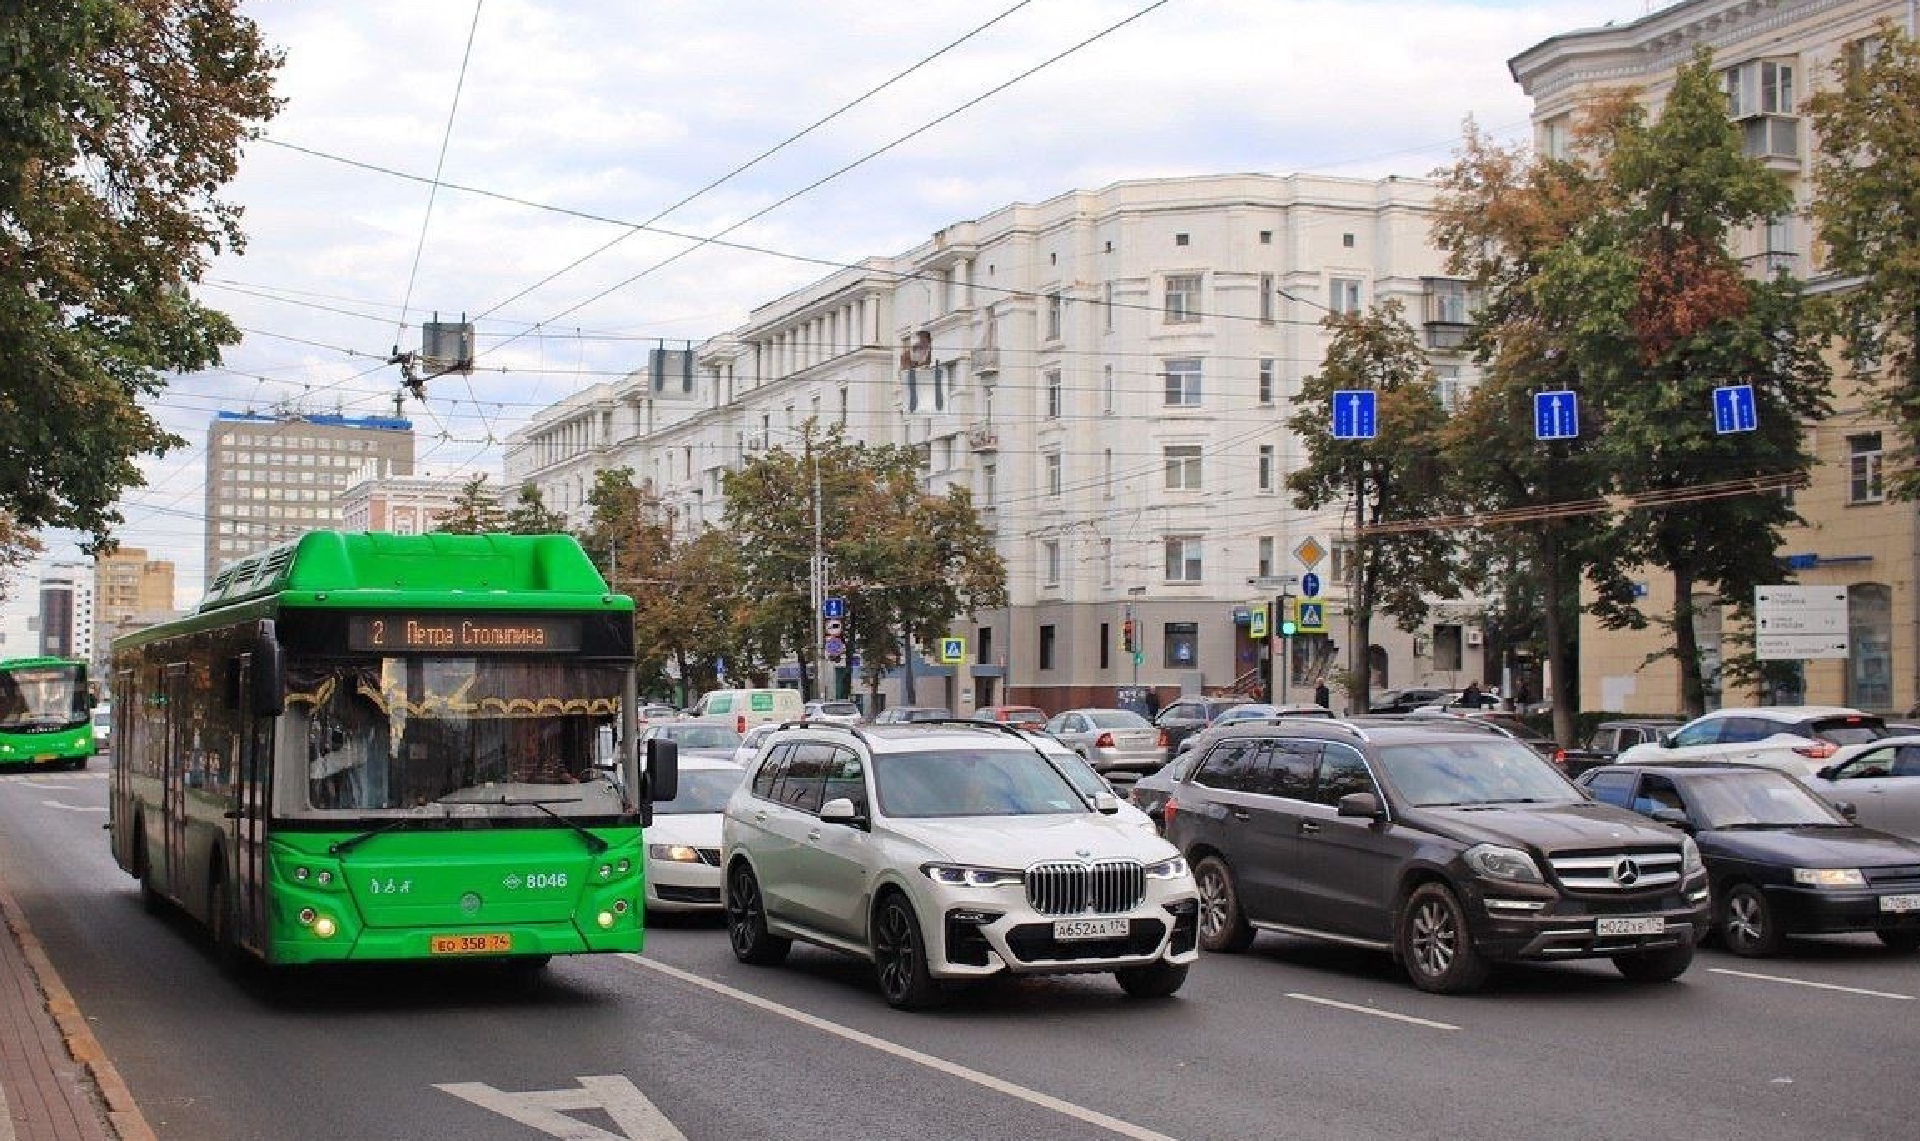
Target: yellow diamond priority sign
[(1310, 552)]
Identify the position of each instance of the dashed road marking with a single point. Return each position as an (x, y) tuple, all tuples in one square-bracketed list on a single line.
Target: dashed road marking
[(953, 1069), (1813, 985), (1357, 1009)]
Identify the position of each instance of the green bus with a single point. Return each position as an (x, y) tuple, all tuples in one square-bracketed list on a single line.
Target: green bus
[(365, 747), (46, 714)]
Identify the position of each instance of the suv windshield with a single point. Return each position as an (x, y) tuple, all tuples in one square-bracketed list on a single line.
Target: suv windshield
[(1437, 773), (1758, 798), (972, 782)]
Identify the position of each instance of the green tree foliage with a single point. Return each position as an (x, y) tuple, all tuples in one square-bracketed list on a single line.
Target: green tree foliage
[(907, 561), (1652, 313), (475, 511), (120, 120), (1867, 207), (698, 616), (529, 515), (1394, 478)]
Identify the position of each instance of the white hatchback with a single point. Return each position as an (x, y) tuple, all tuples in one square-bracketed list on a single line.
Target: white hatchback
[(683, 842), (1795, 739), (948, 852)]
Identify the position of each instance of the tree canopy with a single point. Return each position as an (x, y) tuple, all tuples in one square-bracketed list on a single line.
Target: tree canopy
[(120, 121)]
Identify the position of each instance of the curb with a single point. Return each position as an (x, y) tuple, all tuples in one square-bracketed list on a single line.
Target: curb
[(123, 1114)]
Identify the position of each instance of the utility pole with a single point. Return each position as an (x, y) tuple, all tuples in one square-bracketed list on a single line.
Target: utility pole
[(819, 594)]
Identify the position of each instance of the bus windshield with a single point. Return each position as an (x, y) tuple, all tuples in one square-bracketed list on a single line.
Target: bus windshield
[(42, 697), (400, 734)]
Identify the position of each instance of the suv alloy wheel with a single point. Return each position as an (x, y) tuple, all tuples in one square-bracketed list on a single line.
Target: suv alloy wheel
[(747, 921), (900, 956), (1223, 927), (1434, 942)]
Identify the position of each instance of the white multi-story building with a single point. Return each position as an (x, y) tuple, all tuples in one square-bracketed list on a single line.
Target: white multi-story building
[(1110, 372), (66, 611)]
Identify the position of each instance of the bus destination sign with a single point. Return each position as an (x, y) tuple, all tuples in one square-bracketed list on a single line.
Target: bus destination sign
[(468, 634)]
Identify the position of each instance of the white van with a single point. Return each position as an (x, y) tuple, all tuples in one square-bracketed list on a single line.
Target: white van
[(749, 707)]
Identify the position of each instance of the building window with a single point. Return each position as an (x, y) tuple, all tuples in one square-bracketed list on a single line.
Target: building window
[(1266, 380), (1345, 564), (1267, 296), (1106, 304), (1181, 645), (1046, 647), (1447, 386), (985, 642), (1183, 299), (1053, 394), (1343, 294), (1266, 237), (1053, 475), (1266, 467), (1106, 645), (1183, 383), (1180, 239), (1050, 562), (1266, 557), (1346, 240), (1759, 87), (987, 472), (1055, 307), (1870, 646), (1555, 139), (1106, 472), (1184, 563), (1106, 389), (1863, 462), (1183, 467), (1446, 301), (1446, 648)]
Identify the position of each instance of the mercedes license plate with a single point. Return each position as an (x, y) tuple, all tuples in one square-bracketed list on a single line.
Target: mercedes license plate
[(472, 944), (1634, 926), (1900, 903), (1068, 930)]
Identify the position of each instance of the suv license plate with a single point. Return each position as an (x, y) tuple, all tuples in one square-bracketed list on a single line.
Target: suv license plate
[(1651, 926), (1068, 930), (1900, 903)]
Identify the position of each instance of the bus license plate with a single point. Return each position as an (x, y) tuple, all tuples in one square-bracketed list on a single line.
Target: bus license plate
[(472, 944), (1068, 930), (1651, 926), (1900, 903)]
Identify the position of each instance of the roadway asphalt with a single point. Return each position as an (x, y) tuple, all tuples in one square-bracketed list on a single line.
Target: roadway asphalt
[(1289, 1040)]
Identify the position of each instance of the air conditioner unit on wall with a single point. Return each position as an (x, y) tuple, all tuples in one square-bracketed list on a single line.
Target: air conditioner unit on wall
[(1474, 638)]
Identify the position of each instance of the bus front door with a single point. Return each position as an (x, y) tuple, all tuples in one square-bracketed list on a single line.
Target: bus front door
[(250, 814)]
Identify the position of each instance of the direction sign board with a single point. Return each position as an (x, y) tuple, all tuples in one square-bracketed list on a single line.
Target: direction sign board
[(833, 606), (1354, 414), (1556, 415), (1800, 623), (1310, 585), (1313, 617), (1733, 409)]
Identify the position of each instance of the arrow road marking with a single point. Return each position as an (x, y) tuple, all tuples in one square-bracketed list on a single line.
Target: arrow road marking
[(637, 1118)]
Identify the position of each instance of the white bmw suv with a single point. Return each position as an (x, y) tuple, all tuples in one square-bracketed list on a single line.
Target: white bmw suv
[(944, 852)]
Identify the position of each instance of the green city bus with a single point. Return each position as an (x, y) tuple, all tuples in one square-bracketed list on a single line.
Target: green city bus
[(364, 747), (46, 714)]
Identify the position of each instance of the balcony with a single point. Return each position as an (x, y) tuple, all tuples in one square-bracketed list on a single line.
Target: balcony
[(982, 438), (986, 358), (1765, 266), (1773, 139)]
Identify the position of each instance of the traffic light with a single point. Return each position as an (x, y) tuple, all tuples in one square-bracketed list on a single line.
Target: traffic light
[(1288, 625), (1126, 635)]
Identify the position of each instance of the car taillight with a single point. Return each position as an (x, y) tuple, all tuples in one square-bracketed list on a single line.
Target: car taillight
[(740, 723), (1560, 759), (1168, 809), (1103, 741), (1817, 750), (1164, 740)]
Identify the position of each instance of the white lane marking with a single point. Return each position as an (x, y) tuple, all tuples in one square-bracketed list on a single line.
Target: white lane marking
[(75, 807), (637, 1118), (6, 1117), (952, 1069), (1370, 1010), (1815, 986)]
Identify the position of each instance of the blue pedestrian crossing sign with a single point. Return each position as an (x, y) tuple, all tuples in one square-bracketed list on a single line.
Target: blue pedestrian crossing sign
[(1313, 617), (953, 650), (1556, 415), (1354, 414), (1733, 409)]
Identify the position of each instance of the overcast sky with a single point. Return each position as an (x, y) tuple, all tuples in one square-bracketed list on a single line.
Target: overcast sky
[(620, 110)]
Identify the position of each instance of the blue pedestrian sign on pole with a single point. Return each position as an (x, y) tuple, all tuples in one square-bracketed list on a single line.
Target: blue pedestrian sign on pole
[(1556, 415), (1310, 584), (1733, 409), (1313, 618), (1353, 414), (833, 606)]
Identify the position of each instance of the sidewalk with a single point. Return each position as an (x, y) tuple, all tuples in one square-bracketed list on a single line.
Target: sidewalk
[(55, 1084)]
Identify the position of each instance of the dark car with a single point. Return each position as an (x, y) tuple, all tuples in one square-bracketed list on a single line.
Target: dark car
[(1405, 700), (1610, 739), (893, 714), (1186, 716), (1444, 845), (1149, 794), (1782, 860)]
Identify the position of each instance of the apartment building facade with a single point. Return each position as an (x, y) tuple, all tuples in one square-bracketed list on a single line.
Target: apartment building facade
[(271, 477), (1110, 372), (401, 504), (1773, 56), (130, 591)]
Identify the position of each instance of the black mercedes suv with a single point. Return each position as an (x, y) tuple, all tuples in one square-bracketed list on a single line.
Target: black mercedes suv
[(1449, 848)]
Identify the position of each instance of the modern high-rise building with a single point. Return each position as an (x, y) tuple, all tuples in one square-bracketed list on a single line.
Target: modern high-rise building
[(129, 590), (271, 478), (66, 611)]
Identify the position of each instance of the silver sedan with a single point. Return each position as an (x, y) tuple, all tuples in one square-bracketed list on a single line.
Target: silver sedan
[(1114, 741), (1881, 779)]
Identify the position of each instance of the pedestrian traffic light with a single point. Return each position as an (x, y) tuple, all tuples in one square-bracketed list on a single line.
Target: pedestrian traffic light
[(1126, 635)]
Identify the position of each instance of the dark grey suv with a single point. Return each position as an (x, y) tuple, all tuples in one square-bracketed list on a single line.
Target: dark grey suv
[(1449, 848)]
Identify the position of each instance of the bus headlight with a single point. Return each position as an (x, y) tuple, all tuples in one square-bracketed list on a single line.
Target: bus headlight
[(324, 927), (606, 919)]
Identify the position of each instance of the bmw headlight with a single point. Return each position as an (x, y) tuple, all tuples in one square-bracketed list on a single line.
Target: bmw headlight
[(962, 875), (674, 853), (1509, 865), (1689, 856), (1829, 877), (1168, 869)]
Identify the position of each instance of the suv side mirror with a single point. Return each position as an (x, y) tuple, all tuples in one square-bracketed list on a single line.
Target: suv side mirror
[(1363, 804), (1847, 809), (1666, 740), (663, 769), (1831, 772), (841, 810), (1672, 817), (1106, 803)]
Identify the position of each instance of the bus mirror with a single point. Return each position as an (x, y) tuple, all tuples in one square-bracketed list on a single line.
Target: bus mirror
[(663, 770), (269, 673)]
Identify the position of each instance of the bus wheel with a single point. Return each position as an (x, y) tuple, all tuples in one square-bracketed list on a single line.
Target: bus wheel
[(220, 922), (150, 897)]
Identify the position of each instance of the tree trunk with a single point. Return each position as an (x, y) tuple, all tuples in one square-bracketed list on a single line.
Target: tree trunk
[(1686, 645), (1560, 663)]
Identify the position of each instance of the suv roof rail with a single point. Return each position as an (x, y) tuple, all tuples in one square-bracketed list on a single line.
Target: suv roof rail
[(1007, 727), (804, 723)]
